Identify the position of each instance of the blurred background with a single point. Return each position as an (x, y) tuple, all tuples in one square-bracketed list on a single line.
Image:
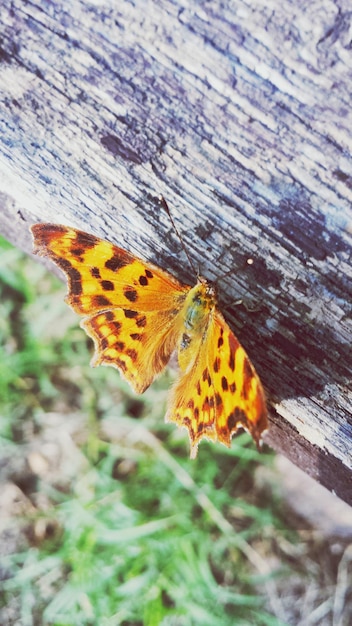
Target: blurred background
[(105, 520)]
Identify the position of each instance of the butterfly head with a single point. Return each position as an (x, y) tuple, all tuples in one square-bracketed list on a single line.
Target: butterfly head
[(206, 290)]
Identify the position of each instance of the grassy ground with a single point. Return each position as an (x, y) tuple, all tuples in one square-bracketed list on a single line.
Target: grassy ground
[(104, 520)]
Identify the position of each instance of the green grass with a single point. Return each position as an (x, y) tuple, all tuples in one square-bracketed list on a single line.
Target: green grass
[(112, 523)]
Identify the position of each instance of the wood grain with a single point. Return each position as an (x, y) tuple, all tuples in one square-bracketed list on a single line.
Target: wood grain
[(240, 115)]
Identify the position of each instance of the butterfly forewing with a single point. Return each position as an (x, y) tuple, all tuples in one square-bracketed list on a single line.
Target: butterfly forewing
[(131, 306), (101, 275), (138, 345)]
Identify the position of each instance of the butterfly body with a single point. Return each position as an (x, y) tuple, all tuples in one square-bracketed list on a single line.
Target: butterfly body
[(195, 316), (138, 315)]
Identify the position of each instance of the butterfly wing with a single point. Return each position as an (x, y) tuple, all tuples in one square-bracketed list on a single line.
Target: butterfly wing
[(220, 391), (138, 344), (130, 306)]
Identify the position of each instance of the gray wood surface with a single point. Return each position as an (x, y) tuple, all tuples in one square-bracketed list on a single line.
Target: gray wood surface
[(240, 115)]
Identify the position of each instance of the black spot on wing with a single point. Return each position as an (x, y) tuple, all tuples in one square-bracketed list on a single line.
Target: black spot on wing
[(141, 321), (206, 405), (218, 400), (130, 293), (130, 314), (216, 364), (247, 378), (247, 369), (85, 240), (107, 285), (95, 272), (78, 252), (75, 281), (206, 376), (121, 364), (186, 421), (100, 302), (132, 354), (117, 261), (66, 265), (238, 416), (224, 383)]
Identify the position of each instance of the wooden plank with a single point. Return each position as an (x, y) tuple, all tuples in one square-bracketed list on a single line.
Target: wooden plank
[(240, 115)]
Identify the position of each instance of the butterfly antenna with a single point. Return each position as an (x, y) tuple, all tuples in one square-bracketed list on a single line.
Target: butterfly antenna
[(166, 208)]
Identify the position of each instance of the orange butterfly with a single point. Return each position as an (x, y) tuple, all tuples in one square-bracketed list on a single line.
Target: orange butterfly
[(138, 315)]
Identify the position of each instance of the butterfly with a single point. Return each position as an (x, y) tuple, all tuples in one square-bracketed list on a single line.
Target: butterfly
[(138, 315)]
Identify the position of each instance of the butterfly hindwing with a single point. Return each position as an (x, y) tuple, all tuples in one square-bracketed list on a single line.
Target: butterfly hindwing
[(138, 344), (220, 391), (235, 379)]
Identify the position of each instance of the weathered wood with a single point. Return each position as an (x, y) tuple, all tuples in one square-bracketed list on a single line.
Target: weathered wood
[(240, 114)]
